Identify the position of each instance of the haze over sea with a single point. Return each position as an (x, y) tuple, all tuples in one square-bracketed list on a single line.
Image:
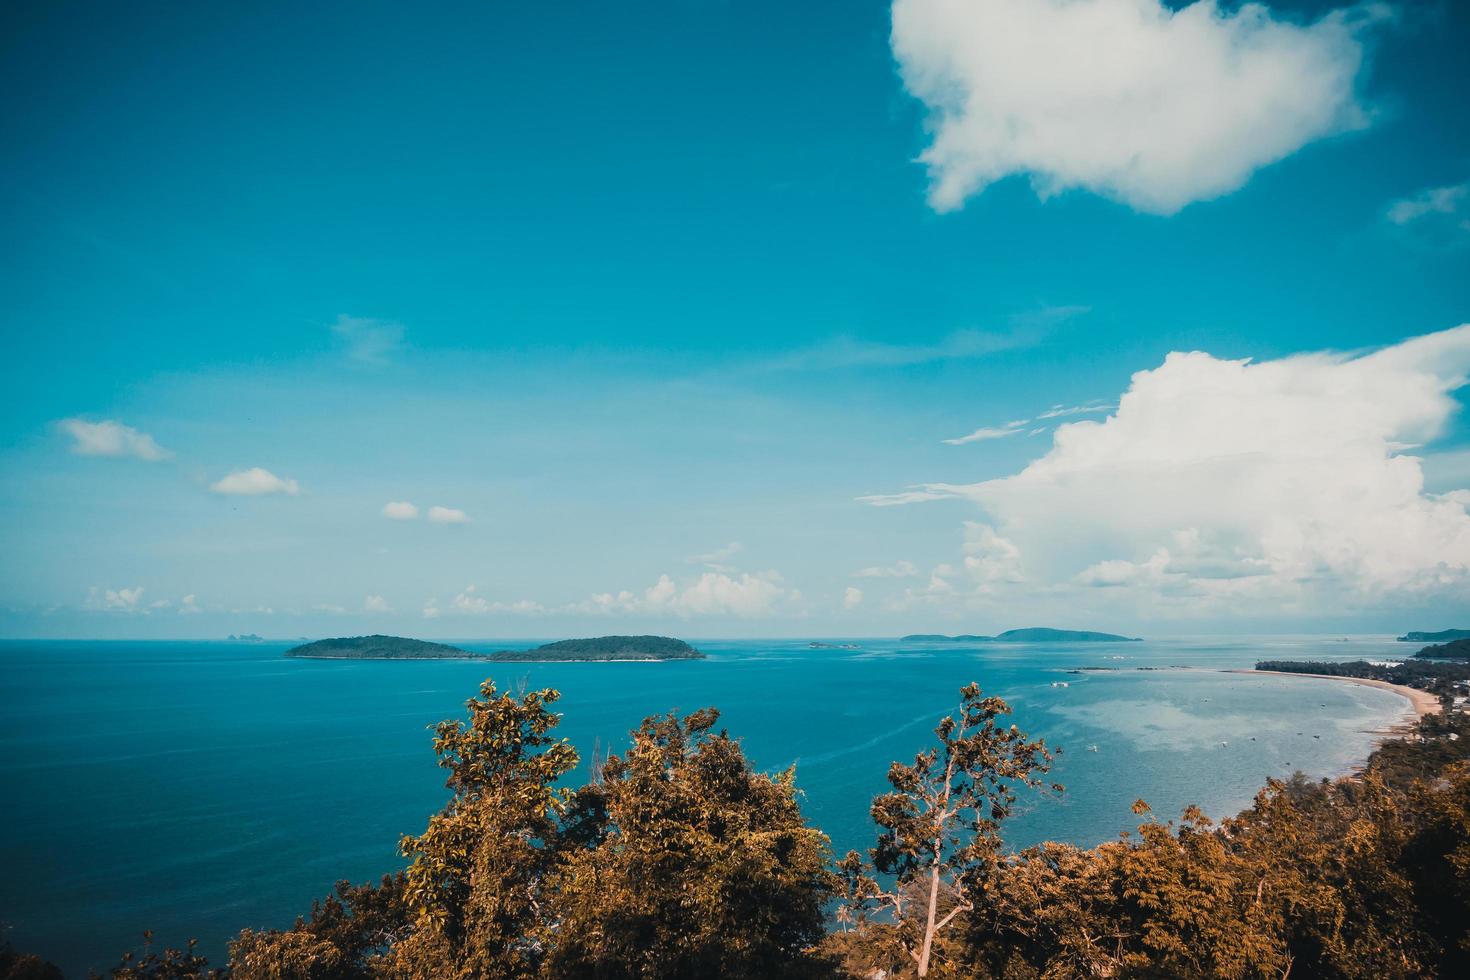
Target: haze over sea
[(195, 788)]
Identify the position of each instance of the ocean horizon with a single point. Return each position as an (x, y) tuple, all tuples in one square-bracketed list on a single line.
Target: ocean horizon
[(197, 787)]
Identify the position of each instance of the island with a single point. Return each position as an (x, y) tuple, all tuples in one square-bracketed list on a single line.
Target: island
[(379, 647), (245, 638), (1453, 650), (605, 648), (1440, 637), (1030, 634)]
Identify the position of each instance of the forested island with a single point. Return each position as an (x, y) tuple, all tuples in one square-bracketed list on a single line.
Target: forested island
[(379, 647), (1453, 650), (604, 648), (1030, 634), (1440, 637), (678, 859)]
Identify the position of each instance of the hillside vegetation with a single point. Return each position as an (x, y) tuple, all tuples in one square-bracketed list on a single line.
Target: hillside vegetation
[(678, 859)]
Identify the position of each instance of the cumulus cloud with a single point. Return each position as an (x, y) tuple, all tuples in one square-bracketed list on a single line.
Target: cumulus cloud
[(899, 569), (188, 606), (255, 482), (376, 604), (447, 515), (400, 510), (711, 594), (1153, 107), (852, 598), (116, 600), (367, 340), (109, 438), (472, 604), (1227, 483)]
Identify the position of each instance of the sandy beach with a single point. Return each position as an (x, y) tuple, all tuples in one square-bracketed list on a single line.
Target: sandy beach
[(1421, 703)]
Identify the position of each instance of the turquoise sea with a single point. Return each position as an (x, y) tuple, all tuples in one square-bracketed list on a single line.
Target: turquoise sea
[(194, 788)]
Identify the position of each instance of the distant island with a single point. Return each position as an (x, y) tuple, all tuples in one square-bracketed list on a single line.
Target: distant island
[(1030, 634), (606, 648), (378, 647), (245, 638), (1440, 637), (1454, 650)]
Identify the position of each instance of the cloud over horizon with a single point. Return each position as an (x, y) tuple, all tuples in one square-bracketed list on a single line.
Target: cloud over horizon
[(1285, 484), (1152, 107)]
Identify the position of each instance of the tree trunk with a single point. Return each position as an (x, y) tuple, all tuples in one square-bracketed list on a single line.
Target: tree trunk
[(928, 946)]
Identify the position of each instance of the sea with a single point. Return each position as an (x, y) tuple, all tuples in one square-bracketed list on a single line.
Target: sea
[(195, 788)]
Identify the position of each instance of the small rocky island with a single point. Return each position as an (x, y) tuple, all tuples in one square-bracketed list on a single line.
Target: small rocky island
[(1030, 634), (378, 647)]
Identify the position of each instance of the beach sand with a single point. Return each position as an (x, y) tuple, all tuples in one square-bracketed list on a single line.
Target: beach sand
[(1421, 703)]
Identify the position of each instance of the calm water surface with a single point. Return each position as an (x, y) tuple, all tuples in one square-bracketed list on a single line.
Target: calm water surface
[(196, 788)]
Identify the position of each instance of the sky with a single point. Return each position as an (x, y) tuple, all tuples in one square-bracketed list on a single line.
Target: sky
[(722, 319)]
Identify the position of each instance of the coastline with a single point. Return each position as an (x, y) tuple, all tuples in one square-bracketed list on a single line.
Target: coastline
[(1420, 703)]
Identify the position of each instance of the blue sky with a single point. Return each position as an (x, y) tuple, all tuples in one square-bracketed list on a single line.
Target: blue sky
[(665, 298)]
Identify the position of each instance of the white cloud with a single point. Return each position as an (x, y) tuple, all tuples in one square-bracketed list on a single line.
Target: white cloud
[(447, 515), (376, 604), (368, 340), (899, 569), (1437, 200), (852, 598), (1219, 484), (431, 609), (1154, 107), (711, 594), (400, 510), (468, 603), (718, 559), (188, 606), (1439, 215), (1059, 411), (983, 434), (116, 600), (109, 438), (255, 482)]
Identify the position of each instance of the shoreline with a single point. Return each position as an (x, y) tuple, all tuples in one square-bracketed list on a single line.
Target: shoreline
[(1420, 703)]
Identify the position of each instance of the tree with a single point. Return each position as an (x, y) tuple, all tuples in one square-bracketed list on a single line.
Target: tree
[(693, 865), (476, 887), (941, 824)]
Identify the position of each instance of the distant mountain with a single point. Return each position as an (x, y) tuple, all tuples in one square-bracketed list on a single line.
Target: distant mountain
[(1453, 650), (1440, 637), (379, 647), (606, 648), (1031, 634), (245, 638)]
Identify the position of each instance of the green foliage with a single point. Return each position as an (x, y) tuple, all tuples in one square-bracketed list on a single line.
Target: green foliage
[(679, 861), (940, 826), (606, 648), (693, 864), (477, 882)]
